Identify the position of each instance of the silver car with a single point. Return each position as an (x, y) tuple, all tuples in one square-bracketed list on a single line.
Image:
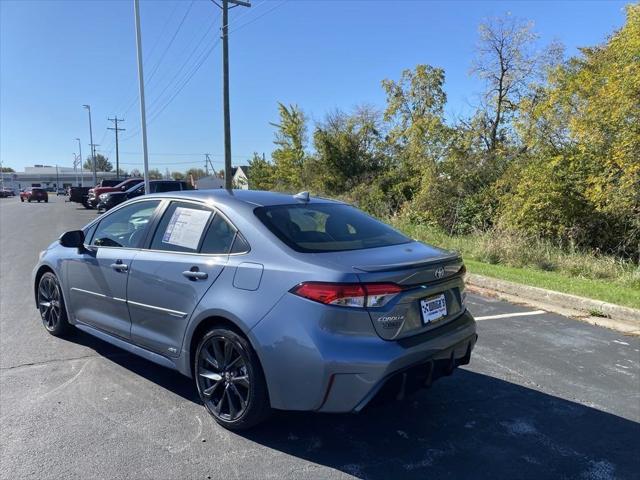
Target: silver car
[(268, 301)]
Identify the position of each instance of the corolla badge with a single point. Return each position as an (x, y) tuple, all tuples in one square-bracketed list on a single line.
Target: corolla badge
[(439, 273)]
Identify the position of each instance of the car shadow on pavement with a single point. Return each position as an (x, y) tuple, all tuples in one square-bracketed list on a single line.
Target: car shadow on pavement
[(469, 425)]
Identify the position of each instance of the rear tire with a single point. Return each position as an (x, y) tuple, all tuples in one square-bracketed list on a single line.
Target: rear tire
[(230, 380), (51, 305)]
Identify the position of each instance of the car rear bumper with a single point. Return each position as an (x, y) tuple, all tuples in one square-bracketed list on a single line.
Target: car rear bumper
[(324, 362)]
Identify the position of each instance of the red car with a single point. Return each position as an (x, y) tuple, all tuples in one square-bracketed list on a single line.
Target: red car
[(94, 193), (33, 194)]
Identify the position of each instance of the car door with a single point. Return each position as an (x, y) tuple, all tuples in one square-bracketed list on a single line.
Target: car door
[(188, 251), (98, 279)]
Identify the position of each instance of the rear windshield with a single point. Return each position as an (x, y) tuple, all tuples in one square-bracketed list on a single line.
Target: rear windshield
[(327, 227)]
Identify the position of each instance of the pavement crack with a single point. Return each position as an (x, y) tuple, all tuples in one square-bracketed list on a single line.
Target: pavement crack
[(61, 360)]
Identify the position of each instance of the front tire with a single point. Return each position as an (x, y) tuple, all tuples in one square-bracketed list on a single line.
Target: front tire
[(230, 380), (51, 305)]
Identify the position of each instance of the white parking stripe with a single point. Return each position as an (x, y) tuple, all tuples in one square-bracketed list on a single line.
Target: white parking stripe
[(508, 315)]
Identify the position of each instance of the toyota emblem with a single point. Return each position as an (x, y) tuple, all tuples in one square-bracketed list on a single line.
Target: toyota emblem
[(439, 273)]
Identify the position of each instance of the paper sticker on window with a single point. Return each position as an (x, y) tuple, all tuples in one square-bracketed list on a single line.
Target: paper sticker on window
[(185, 227)]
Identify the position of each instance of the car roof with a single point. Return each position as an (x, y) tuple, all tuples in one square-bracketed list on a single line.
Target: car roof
[(251, 197)]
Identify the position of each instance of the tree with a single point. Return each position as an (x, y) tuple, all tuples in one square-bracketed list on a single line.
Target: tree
[(102, 164), (507, 61), (155, 174), (289, 156), (177, 175), (587, 119), (418, 135), (347, 149), (7, 170), (136, 173), (196, 173), (261, 173)]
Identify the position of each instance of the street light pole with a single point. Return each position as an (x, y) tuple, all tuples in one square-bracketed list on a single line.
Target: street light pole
[(80, 152), (143, 115), (75, 167), (93, 151)]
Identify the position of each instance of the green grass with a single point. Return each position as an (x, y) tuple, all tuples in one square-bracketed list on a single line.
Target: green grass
[(584, 287), (539, 263)]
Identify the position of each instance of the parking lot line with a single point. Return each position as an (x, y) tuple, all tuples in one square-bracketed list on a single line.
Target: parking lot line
[(508, 315)]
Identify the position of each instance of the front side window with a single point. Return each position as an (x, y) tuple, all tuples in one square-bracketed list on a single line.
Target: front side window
[(327, 227), (126, 226)]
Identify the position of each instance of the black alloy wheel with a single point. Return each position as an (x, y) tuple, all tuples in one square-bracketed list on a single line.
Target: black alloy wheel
[(51, 305), (230, 380)]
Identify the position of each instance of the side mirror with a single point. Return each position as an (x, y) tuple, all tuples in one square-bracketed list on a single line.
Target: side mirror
[(72, 239)]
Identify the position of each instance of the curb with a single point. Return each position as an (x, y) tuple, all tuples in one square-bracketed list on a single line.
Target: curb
[(616, 317)]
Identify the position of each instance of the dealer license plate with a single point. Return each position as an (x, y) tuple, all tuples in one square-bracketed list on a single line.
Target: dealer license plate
[(433, 308)]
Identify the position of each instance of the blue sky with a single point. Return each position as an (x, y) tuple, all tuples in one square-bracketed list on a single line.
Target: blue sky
[(57, 55)]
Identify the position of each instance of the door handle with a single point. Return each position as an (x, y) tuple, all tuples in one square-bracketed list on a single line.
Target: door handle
[(119, 266), (195, 274)]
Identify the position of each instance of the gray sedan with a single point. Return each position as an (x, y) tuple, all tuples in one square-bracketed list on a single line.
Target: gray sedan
[(268, 301)]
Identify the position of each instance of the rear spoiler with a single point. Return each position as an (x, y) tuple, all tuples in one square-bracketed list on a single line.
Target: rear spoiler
[(454, 257)]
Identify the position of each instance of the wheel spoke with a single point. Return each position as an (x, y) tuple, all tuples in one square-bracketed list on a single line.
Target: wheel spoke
[(43, 291), (243, 402), (232, 408), (209, 359), (216, 377), (217, 353), (242, 380), (228, 350), (234, 361), (209, 391)]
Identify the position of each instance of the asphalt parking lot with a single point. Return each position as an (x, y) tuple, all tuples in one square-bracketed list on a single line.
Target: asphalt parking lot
[(544, 397)]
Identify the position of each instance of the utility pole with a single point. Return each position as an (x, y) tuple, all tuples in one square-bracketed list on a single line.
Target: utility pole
[(143, 115), (93, 150), (208, 163), (116, 129), (225, 85), (80, 152)]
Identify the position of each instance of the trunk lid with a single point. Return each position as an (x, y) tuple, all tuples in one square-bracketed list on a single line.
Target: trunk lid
[(425, 272)]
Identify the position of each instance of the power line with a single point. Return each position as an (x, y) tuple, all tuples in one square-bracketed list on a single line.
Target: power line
[(175, 34), (157, 64), (182, 67), (254, 19)]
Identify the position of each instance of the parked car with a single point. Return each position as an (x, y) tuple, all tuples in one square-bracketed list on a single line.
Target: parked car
[(34, 194), (102, 183), (110, 200), (94, 194), (7, 192), (61, 191), (265, 300)]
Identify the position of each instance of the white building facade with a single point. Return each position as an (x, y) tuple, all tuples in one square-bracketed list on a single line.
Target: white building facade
[(47, 176)]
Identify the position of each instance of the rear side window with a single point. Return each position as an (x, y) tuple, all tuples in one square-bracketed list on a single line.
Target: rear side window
[(327, 227), (166, 187), (191, 228)]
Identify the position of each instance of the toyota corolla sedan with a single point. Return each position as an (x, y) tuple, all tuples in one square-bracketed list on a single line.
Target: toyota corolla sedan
[(266, 300)]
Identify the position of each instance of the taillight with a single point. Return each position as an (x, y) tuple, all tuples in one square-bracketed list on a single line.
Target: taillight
[(348, 294)]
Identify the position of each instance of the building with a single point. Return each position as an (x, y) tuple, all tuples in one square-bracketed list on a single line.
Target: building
[(48, 176), (207, 183), (240, 177)]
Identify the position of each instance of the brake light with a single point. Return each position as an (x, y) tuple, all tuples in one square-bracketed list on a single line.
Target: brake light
[(357, 295)]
